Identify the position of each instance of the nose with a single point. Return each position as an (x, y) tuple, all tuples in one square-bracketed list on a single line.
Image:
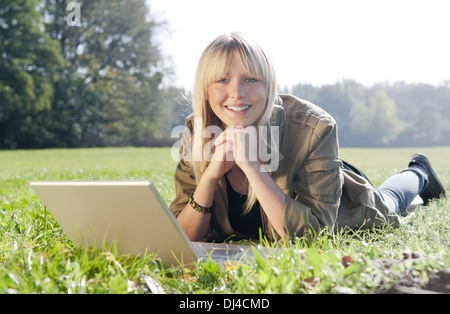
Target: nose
[(237, 89)]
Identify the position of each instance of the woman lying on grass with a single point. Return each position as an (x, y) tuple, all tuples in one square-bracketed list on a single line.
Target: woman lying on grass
[(254, 160)]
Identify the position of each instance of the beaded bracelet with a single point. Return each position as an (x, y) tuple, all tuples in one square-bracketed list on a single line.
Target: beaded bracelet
[(198, 208)]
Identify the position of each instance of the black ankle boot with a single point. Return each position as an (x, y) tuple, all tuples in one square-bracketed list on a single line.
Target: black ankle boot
[(434, 189)]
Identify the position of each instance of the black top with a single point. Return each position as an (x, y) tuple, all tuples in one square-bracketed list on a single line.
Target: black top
[(247, 224)]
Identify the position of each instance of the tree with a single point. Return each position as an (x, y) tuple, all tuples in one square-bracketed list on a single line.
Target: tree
[(365, 116), (426, 111), (111, 93), (375, 123), (28, 65)]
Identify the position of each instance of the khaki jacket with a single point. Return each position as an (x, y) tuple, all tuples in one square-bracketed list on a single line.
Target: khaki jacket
[(319, 192)]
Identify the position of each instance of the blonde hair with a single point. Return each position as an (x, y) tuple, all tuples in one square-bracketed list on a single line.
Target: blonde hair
[(213, 65)]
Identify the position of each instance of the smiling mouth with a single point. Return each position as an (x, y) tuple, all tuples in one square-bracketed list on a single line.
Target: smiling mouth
[(238, 108)]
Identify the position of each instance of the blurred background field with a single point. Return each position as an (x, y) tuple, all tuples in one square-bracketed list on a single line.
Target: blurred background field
[(157, 164), (18, 168), (380, 163)]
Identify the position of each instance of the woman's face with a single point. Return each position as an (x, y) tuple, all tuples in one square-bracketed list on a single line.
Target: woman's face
[(238, 99)]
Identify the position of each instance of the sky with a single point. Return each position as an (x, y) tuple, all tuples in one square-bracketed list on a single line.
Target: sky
[(317, 41)]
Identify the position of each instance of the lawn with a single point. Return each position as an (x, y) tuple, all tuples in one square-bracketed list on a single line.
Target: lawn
[(37, 257)]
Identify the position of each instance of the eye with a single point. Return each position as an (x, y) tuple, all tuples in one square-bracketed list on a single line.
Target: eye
[(222, 80), (251, 80)]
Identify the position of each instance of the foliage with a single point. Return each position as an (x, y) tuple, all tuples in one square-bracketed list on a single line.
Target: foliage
[(37, 257), (29, 63), (105, 82), (384, 115), (376, 122), (95, 84)]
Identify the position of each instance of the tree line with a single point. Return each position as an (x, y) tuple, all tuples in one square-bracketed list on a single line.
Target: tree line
[(384, 115), (101, 80)]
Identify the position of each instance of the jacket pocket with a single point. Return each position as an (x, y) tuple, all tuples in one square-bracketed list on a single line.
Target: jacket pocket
[(325, 179)]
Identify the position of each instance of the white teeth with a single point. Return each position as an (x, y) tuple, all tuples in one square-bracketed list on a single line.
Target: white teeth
[(238, 109)]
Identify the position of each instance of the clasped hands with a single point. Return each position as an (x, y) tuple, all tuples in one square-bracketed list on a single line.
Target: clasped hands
[(234, 146)]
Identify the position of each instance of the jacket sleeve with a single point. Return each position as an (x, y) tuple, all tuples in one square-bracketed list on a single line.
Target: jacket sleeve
[(317, 184), (185, 182)]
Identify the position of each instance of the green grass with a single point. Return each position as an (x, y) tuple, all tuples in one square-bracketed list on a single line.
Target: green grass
[(37, 257)]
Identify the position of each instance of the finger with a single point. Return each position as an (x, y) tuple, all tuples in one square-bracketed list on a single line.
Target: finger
[(223, 151), (221, 139)]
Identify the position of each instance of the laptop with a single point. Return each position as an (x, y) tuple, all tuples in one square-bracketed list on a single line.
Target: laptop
[(130, 215)]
